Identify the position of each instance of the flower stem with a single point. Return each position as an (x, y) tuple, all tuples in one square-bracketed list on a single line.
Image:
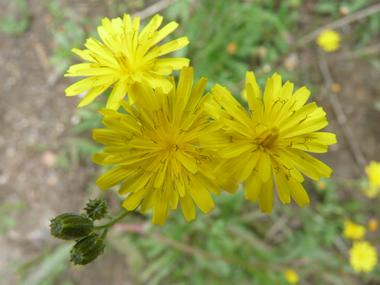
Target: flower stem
[(113, 221)]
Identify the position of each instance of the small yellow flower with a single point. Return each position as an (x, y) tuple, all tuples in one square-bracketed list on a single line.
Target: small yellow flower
[(156, 149), (335, 87), (270, 141), (124, 58), (353, 231), (321, 185), (291, 276), (329, 40), (371, 192), (373, 172), (232, 47), (363, 257), (373, 225)]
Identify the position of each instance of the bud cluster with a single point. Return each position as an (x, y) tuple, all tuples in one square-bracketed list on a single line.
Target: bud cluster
[(70, 226)]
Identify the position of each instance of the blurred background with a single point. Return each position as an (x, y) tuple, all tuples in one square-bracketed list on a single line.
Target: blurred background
[(46, 146)]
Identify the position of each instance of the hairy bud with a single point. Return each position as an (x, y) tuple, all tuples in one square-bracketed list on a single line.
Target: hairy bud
[(96, 209), (87, 249), (71, 226)]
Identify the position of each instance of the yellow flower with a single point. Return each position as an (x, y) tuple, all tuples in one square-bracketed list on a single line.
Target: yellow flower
[(353, 231), (232, 47), (329, 40), (291, 276), (373, 172), (373, 225), (157, 152), (321, 185), (270, 140), (124, 58), (363, 256), (371, 192)]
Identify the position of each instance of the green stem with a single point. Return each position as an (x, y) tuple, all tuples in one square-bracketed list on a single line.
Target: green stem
[(104, 234), (113, 221)]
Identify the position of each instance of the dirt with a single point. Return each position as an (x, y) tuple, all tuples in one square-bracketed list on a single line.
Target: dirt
[(35, 117)]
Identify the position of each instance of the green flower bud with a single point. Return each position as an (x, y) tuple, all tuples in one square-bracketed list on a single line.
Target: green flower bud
[(71, 226), (87, 249), (96, 209)]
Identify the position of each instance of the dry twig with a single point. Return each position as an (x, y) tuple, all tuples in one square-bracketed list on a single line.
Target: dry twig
[(154, 9)]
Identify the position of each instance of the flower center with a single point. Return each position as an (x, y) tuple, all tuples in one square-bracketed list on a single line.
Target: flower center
[(125, 64), (268, 137)]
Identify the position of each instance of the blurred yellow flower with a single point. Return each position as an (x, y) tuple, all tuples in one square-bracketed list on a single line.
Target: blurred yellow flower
[(353, 231), (291, 276), (335, 88), (321, 185), (373, 225), (371, 192), (156, 149), (232, 47), (329, 40), (124, 58), (363, 257), (373, 172), (269, 142)]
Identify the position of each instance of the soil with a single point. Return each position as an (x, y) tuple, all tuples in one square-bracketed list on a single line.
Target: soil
[(35, 117)]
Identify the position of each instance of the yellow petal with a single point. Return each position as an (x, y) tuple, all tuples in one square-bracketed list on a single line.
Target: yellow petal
[(282, 185), (252, 187), (112, 178), (201, 197), (264, 167), (158, 81), (243, 173), (94, 92), (236, 149), (148, 200), (188, 207), (160, 207), (133, 200), (117, 94), (298, 193), (266, 195), (174, 63)]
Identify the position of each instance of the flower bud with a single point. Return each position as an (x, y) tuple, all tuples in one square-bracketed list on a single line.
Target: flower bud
[(71, 226), (96, 209), (87, 249)]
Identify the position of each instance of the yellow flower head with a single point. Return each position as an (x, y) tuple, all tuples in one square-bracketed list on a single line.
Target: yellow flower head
[(157, 150), (291, 276), (329, 40), (353, 231), (124, 58), (363, 257), (270, 140), (373, 225)]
